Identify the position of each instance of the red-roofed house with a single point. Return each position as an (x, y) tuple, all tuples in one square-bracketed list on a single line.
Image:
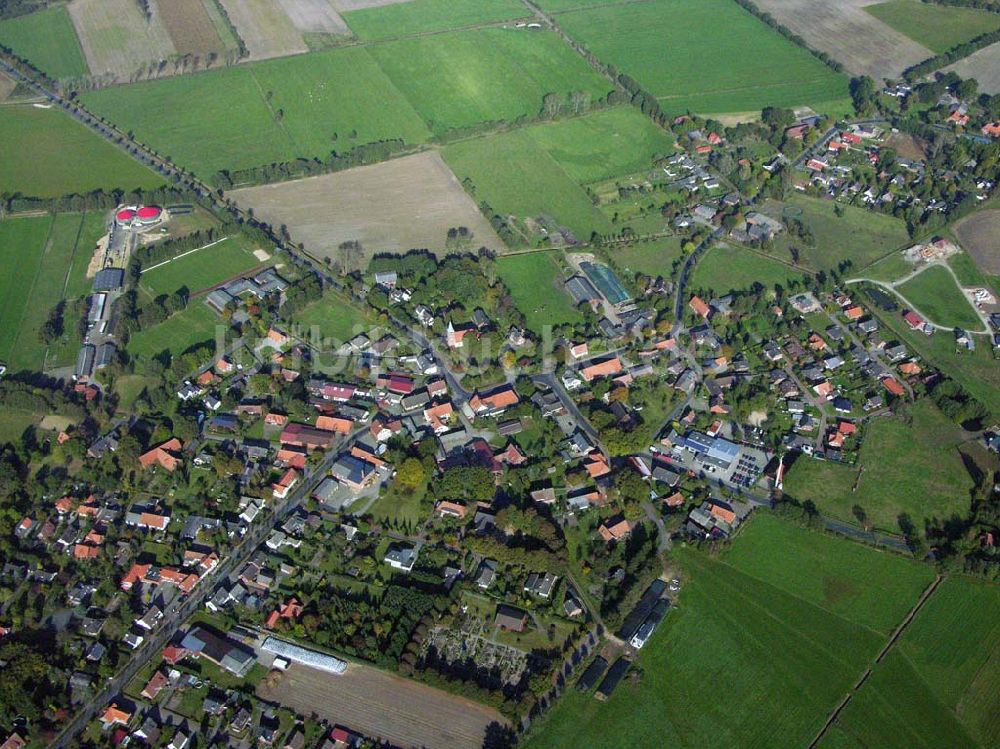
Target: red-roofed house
[(605, 368), (512, 455), (155, 685), (113, 716), (892, 385), (85, 551), (137, 573), (337, 424), (445, 508), (439, 417), (165, 455), (579, 350), (700, 308), (303, 435), (285, 483), (615, 529), (173, 654), (277, 338), (855, 313), (495, 401)]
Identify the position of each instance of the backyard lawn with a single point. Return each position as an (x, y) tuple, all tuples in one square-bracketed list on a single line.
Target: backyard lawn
[(934, 293), (535, 283)]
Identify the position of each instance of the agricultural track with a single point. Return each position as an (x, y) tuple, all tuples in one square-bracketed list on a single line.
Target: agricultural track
[(878, 659)]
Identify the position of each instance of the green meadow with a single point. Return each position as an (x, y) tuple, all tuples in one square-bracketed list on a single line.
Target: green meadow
[(48, 40), (424, 16), (535, 283), (937, 27), (934, 293), (726, 268)]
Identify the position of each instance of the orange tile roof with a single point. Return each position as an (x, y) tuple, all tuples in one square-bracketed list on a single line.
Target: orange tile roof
[(113, 715), (723, 513), (602, 369), (336, 424), (699, 307)]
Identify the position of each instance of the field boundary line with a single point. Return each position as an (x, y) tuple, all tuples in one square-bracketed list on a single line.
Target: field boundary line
[(907, 620), (183, 254)]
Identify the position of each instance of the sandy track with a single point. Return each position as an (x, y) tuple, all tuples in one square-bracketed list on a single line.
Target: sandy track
[(984, 66), (398, 205), (978, 236), (316, 16), (265, 28), (850, 35), (375, 703), (116, 38)]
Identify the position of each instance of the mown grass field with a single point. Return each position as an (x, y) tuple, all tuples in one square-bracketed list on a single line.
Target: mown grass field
[(726, 268), (937, 27), (48, 40), (200, 270), (22, 244), (517, 177), (860, 236), (935, 294), (706, 56), (229, 118), (653, 257), (333, 316), (47, 154), (459, 79), (911, 465), (536, 285), (940, 686), (749, 659), (422, 16), (188, 328)]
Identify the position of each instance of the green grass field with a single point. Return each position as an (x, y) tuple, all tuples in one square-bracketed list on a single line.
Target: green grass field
[(652, 258), (911, 465), (48, 154), (459, 79), (935, 294), (706, 56), (334, 317), (749, 659), (937, 27), (604, 144), (940, 686), (22, 244), (14, 422), (423, 16), (969, 274), (226, 119), (534, 282), (859, 236), (515, 176), (48, 40), (194, 325), (725, 268), (200, 270)]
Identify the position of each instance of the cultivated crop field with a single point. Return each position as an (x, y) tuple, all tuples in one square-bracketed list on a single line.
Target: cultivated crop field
[(977, 234), (818, 597), (314, 16), (459, 79), (265, 28), (863, 44), (983, 65), (859, 236), (911, 465), (397, 710), (941, 686), (934, 293), (725, 268), (47, 154), (200, 270), (398, 205), (224, 119), (422, 16), (706, 56), (937, 27), (190, 27), (535, 283), (116, 37), (46, 38)]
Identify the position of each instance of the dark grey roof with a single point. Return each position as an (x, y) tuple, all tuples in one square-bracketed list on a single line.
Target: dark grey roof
[(109, 279)]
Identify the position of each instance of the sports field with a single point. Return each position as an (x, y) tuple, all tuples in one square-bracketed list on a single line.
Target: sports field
[(47, 154), (725, 268), (937, 27), (395, 206), (859, 236), (911, 465), (195, 325), (48, 40), (422, 16), (517, 177), (459, 79), (277, 110), (940, 687), (200, 270), (706, 56), (749, 659), (535, 283), (934, 293)]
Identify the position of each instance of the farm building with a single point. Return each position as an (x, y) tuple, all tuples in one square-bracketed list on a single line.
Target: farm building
[(615, 674), (589, 678), (304, 656)]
